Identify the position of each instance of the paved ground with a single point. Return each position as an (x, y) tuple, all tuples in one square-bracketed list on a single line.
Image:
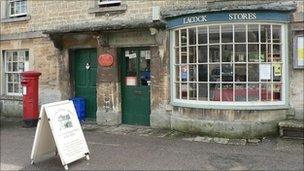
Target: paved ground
[(145, 149)]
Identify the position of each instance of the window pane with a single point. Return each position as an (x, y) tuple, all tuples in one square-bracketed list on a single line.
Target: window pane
[(253, 53), (9, 56), (214, 34), (10, 77), (214, 53), (227, 53), (177, 90), (227, 72), (265, 53), (214, 71), (227, 35), (203, 92), (240, 72), (253, 72), (277, 53), (202, 54), (202, 35), (227, 92), (240, 53), (184, 37), (253, 33), (184, 90), (192, 73), (202, 72), (176, 38), (253, 92), (277, 72), (240, 33), (192, 54), (276, 34), (15, 66), (265, 33), (240, 92), (16, 88), (184, 54), (131, 64), (266, 92), (184, 72), (177, 61), (16, 78), (10, 87), (214, 92), (192, 36), (277, 91), (192, 91), (15, 56)]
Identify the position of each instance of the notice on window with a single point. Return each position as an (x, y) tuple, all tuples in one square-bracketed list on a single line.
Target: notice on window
[(265, 71), (277, 70), (132, 55), (300, 51), (131, 81)]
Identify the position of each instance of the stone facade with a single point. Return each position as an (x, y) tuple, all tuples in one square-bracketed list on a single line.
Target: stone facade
[(71, 25)]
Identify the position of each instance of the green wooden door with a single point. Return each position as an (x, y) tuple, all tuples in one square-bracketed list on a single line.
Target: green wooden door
[(135, 75), (85, 67)]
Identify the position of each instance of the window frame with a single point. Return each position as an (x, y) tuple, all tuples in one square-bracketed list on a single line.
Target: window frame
[(10, 2), (102, 3), (6, 72), (230, 104)]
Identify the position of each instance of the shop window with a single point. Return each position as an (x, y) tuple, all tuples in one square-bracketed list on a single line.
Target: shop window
[(17, 8), (229, 63), (15, 62)]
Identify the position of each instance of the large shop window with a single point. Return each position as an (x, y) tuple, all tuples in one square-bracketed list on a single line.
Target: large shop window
[(229, 63), (15, 62)]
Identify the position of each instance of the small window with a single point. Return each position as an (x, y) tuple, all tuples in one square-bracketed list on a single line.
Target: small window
[(15, 62), (107, 3), (17, 8)]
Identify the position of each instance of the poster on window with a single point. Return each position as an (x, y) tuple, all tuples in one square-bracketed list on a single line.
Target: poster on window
[(265, 71), (300, 51)]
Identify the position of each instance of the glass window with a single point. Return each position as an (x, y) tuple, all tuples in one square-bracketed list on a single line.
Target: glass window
[(15, 62), (17, 8), (229, 63)]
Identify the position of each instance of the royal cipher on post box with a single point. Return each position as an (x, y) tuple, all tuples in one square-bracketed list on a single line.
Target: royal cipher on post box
[(30, 97)]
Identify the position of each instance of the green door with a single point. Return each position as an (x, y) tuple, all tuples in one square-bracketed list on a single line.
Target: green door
[(135, 89), (85, 67)]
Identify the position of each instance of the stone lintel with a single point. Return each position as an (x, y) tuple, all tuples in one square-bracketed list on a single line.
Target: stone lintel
[(24, 35)]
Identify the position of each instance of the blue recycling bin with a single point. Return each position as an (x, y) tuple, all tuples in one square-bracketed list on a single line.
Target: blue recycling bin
[(80, 106)]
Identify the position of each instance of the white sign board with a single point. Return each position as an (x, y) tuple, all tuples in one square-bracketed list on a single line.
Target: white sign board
[(59, 128)]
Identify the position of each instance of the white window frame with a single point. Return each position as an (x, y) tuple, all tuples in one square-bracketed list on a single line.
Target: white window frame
[(230, 104), (6, 72), (108, 2), (10, 2)]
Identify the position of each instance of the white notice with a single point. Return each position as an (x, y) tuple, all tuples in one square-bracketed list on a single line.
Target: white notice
[(59, 124), (265, 71)]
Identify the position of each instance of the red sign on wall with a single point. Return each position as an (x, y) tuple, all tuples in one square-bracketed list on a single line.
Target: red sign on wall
[(106, 60)]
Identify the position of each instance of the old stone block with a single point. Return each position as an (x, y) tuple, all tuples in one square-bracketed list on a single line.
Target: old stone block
[(202, 139), (237, 141), (254, 140), (221, 140)]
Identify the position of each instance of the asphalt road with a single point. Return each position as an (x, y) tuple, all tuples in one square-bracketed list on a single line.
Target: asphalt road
[(132, 152)]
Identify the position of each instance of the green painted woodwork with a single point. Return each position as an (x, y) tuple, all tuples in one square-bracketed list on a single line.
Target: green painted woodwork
[(135, 99), (85, 78)]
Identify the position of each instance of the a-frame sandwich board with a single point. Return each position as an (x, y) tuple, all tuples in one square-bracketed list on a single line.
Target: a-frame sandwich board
[(59, 131)]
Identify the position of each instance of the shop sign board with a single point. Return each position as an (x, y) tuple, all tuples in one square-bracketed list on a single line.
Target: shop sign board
[(59, 132), (233, 16)]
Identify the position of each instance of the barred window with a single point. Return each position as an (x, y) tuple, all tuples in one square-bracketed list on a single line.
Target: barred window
[(15, 62), (229, 63)]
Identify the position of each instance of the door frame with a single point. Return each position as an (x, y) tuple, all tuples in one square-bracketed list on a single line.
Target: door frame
[(121, 51)]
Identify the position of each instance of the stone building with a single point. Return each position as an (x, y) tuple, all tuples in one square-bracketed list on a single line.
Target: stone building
[(223, 68)]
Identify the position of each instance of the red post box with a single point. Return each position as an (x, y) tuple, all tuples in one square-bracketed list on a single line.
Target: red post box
[(30, 93)]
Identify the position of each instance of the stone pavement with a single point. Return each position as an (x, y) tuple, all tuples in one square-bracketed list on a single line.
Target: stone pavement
[(143, 148)]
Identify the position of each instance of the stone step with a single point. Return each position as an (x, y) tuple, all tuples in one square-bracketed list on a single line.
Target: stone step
[(292, 128)]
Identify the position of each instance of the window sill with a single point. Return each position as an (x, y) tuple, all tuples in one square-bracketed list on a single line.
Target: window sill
[(98, 10), (233, 106), (9, 20), (11, 97)]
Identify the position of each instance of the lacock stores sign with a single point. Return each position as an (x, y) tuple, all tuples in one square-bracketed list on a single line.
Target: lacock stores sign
[(228, 17)]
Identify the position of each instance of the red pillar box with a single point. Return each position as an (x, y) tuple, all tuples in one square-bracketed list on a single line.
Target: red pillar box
[(30, 97)]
